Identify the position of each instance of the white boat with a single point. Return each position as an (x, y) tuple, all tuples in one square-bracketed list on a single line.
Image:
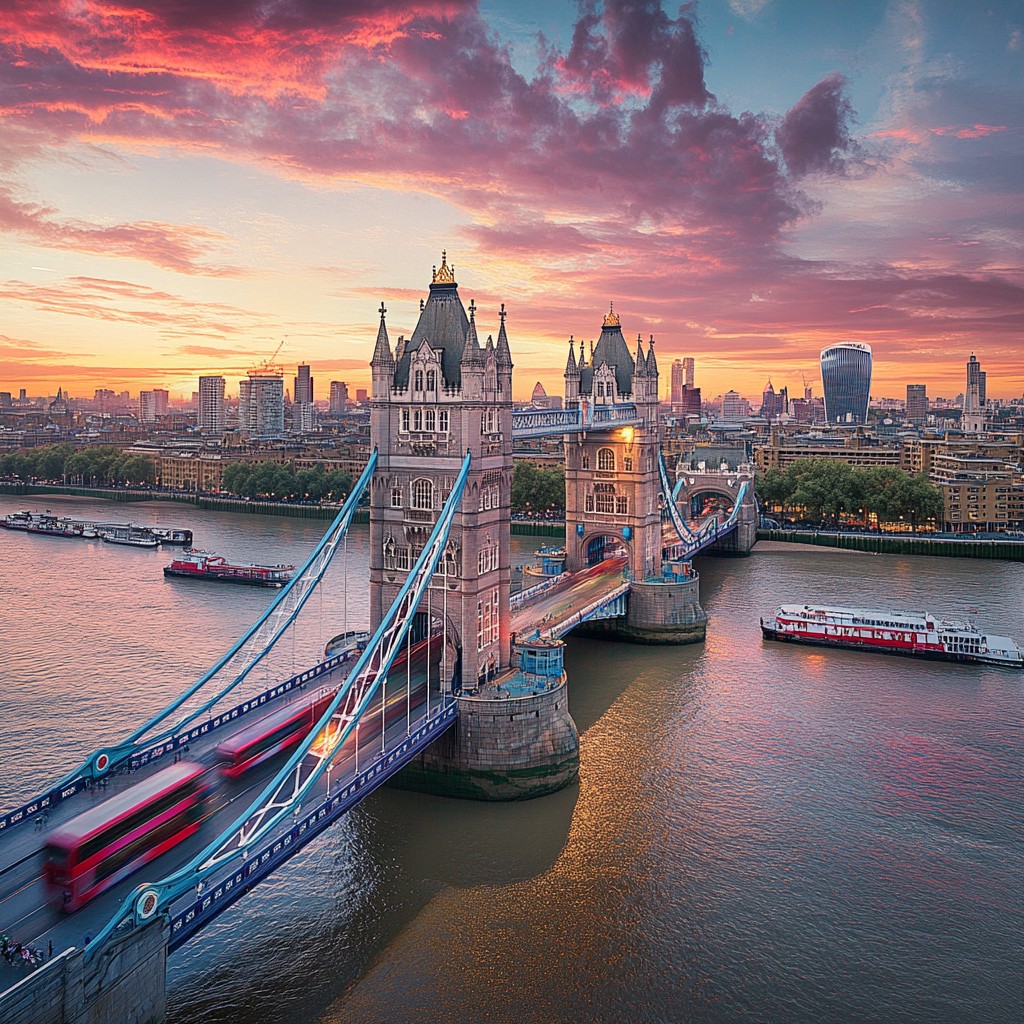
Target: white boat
[(918, 634)]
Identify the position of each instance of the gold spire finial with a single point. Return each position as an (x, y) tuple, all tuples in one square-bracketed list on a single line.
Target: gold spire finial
[(444, 274), (611, 317)]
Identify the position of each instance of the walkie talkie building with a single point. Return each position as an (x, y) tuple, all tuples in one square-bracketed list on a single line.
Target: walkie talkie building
[(846, 380)]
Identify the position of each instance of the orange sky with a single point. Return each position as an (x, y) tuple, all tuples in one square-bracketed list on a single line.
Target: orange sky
[(186, 187)]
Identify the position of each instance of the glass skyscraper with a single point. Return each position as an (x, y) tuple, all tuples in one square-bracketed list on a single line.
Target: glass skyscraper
[(846, 379)]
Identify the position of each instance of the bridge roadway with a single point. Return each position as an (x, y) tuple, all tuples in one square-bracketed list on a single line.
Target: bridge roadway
[(28, 912), (557, 608)]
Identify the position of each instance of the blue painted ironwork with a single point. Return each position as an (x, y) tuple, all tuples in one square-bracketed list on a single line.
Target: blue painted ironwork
[(284, 794), (262, 635), (219, 895), (585, 417)]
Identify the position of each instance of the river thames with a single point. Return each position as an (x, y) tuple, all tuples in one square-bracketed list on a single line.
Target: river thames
[(761, 833)]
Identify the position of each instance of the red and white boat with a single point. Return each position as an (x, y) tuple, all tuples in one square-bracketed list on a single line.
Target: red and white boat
[(919, 634), (200, 565)]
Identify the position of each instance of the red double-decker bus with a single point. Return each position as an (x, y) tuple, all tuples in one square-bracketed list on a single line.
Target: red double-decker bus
[(269, 736), (102, 846)]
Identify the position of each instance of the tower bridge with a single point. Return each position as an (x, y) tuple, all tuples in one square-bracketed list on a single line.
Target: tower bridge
[(455, 688)]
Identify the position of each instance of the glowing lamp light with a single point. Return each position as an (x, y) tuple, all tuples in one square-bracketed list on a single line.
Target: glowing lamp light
[(627, 435)]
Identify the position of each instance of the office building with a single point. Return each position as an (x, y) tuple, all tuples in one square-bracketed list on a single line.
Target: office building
[(303, 386), (210, 416), (734, 407), (846, 380), (688, 372), (917, 403), (361, 396), (261, 404), (676, 386), (339, 397)]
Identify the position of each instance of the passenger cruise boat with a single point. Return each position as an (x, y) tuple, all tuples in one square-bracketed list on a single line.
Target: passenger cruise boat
[(200, 565), (919, 634)]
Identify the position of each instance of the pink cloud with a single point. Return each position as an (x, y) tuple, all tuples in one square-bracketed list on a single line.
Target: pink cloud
[(167, 245)]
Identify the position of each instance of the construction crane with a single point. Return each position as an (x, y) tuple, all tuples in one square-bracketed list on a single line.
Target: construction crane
[(268, 365), (807, 383)]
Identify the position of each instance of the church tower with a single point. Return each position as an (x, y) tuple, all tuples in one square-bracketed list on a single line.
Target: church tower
[(435, 397)]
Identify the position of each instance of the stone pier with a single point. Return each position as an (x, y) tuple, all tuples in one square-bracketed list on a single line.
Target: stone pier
[(125, 984)]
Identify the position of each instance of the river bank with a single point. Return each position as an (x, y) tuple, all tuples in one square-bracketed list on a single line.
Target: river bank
[(900, 544)]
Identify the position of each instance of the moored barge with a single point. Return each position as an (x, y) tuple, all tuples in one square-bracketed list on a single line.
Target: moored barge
[(917, 634), (201, 565)]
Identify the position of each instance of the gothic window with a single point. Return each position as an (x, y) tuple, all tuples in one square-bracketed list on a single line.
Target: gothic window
[(402, 558), (585, 462), (627, 463), (605, 502), (442, 421), (479, 625), (605, 460), (418, 386), (430, 418), (396, 497), (622, 506), (588, 503), (417, 419), (600, 389), (431, 380), (422, 494), (405, 421), (649, 462)]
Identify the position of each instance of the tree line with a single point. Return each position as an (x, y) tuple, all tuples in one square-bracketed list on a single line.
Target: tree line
[(536, 490), (281, 481), (100, 466), (825, 490)]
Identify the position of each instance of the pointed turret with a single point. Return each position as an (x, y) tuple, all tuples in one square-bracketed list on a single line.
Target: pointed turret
[(652, 363), (641, 363), (572, 374), (503, 354), (382, 356), (472, 355), (570, 363)]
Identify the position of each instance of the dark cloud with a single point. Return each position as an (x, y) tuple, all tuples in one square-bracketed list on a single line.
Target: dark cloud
[(814, 136)]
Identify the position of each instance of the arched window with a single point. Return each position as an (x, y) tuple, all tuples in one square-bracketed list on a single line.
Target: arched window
[(605, 460), (396, 497), (422, 494), (627, 464), (418, 386), (431, 380), (585, 462), (429, 419)]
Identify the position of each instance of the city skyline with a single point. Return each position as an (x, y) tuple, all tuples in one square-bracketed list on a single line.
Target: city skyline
[(747, 181)]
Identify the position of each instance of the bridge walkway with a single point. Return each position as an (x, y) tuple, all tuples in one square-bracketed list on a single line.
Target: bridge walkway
[(554, 609)]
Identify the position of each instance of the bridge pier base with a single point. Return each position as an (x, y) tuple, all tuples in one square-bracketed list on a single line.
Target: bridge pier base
[(125, 983), (502, 747), (660, 612)]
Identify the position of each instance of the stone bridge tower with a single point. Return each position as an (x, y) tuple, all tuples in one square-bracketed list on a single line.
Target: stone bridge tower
[(435, 397), (611, 476)]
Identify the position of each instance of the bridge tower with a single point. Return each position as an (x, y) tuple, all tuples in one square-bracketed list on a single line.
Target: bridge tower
[(435, 397), (611, 476)]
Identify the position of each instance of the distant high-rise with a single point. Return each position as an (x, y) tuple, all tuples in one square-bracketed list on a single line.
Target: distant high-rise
[(339, 397), (846, 381), (976, 379), (261, 404), (973, 419), (361, 396), (688, 371), (734, 407), (210, 417), (676, 392), (917, 403), (303, 385), (771, 402), (147, 407)]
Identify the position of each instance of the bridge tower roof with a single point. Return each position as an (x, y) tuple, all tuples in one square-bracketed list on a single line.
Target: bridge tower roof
[(612, 349), (443, 324)]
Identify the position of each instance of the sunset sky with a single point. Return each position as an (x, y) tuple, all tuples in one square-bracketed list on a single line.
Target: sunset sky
[(186, 183)]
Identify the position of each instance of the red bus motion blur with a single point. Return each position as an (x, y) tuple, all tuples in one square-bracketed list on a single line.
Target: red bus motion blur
[(269, 736), (283, 729), (102, 846)]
